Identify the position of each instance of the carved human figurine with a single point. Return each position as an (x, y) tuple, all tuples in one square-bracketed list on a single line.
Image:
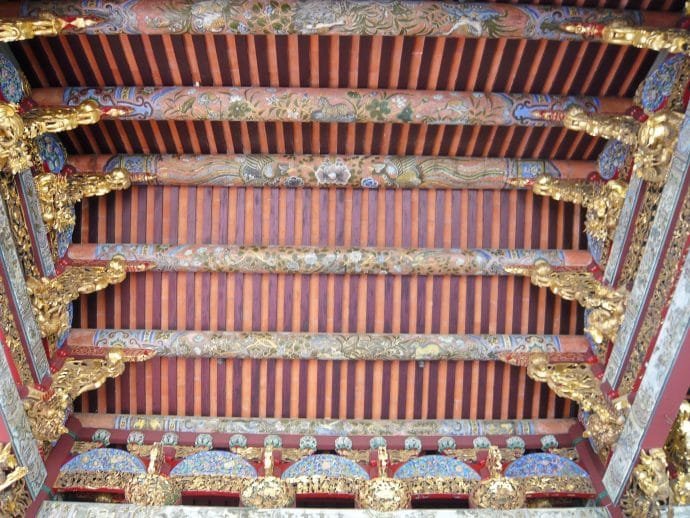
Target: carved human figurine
[(268, 461)]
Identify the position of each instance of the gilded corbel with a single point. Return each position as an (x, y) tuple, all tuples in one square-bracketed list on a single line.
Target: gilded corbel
[(268, 491), (383, 494), (17, 29), (58, 193), (607, 304), (152, 488), (497, 492), (618, 127), (577, 382), (672, 40), (603, 201), (50, 296)]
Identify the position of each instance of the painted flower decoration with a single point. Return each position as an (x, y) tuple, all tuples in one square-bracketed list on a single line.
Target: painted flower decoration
[(446, 443), (548, 442), (332, 173), (170, 439), (203, 440), (307, 442), (273, 440), (343, 443), (481, 442), (293, 181), (102, 436), (377, 442), (413, 443), (238, 441), (378, 109), (369, 183), (135, 438)]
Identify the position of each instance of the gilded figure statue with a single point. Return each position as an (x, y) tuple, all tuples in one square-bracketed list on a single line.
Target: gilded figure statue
[(16, 29), (498, 492)]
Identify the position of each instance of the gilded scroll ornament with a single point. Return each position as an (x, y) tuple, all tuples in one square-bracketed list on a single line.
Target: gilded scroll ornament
[(58, 193), (383, 493), (497, 492), (18, 225), (18, 129), (577, 382), (603, 201), (678, 442), (672, 40), (152, 488), (50, 296), (47, 411), (619, 127), (607, 304), (14, 497), (17, 29), (268, 492), (650, 492)]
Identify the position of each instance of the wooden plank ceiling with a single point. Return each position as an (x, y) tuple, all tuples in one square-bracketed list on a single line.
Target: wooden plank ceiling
[(350, 303)]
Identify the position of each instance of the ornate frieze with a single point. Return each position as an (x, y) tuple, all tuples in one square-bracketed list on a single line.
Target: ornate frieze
[(42, 248), (653, 261), (18, 299), (18, 225), (14, 497), (365, 171), (323, 260), (328, 105), (673, 334), (349, 17), (328, 427), (381, 346)]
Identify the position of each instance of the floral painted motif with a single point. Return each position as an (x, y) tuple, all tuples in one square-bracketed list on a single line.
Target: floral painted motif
[(436, 466), (273, 440), (659, 84), (481, 442), (331, 105), (325, 465), (11, 80), (333, 346), (204, 440), (366, 171), (238, 441), (360, 17), (515, 443), (51, 151), (214, 462), (307, 442), (549, 441), (343, 443), (135, 438), (311, 260), (105, 459), (413, 443), (544, 464), (377, 442), (616, 158), (170, 439), (101, 435)]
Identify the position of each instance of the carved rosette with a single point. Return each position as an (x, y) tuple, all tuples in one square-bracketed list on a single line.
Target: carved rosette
[(152, 489), (268, 493)]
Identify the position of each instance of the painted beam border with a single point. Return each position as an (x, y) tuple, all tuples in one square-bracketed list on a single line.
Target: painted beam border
[(39, 236), (345, 17), (334, 105), (329, 346), (19, 300), (662, 228), (327, 427), (325, 260), (83, 509), (674, 334), (366, 171), (17, 423)]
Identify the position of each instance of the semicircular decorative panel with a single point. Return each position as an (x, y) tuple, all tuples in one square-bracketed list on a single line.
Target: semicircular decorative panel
[(105, 459), (544, 464), (436, 466), (11, 80), (51, 151), (214, 463), (325, 465)]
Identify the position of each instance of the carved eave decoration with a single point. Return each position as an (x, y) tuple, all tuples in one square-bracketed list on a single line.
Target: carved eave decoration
[(14, 496)]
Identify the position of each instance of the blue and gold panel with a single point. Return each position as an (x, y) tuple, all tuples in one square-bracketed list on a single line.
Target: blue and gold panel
[(659, 84), (52, 153), (105, 459), (544, 464), (615, 158), (436, 466), (13, 85), (214, 463), (325, 465)]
